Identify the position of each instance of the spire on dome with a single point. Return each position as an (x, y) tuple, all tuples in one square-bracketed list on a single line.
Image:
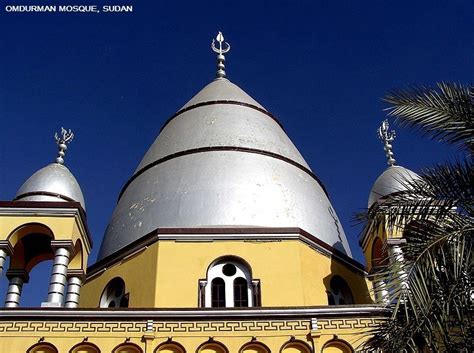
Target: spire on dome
[(222, 48), (62, 141), (387, 138)]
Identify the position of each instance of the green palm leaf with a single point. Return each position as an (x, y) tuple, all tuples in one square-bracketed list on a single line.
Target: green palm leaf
[(445, 113), (432, 290)]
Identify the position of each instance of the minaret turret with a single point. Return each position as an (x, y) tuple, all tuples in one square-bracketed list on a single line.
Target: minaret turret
[(46, 221)]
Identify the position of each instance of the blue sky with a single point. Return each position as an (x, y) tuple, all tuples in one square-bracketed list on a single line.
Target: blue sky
[(320, 67)]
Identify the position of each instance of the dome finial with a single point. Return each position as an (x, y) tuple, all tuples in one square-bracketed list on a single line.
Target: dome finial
[(387, 138), (62, 141), (222, 48)]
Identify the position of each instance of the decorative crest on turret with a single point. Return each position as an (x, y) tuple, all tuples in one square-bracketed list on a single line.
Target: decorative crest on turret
[(387, 138), (222, 48), (62, 140)]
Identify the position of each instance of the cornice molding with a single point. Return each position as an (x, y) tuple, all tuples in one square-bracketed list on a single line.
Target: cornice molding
[(48, 209), (160, 314), (259, 234)]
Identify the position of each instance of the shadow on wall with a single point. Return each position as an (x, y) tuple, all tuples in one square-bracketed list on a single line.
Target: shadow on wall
[(345, 286)]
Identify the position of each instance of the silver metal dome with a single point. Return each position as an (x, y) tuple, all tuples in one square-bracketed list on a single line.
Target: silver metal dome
[(222, 161), (224, 115), (52, 183), (393, 179), (221, 89)]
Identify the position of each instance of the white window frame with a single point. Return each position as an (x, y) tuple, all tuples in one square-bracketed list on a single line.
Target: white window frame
[(215, 271)]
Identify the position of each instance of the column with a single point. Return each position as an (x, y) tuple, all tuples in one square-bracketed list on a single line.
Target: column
[(381, 291), (5, 250), (17, 278), (74, 284), (3, 258), (58, 279), (396, 253)]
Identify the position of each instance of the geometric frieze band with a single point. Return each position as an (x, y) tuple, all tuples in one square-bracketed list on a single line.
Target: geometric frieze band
[(185, 326)]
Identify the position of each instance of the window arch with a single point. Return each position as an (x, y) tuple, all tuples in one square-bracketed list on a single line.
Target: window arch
[(218, 293), (295, 346), (340, 292), (42, 347), (114, 295), (379, 256), (241, 295), (337, 346), (212, 347), (229, 284), (127, 348), (170, 347), (254, 347), (84, 347)]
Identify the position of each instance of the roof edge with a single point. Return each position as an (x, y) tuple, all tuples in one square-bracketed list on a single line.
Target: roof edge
[(191, 313), (214, 233)]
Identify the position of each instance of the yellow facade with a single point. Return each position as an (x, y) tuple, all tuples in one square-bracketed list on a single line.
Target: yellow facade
[(243, 335), (291, 273), (164, 315)]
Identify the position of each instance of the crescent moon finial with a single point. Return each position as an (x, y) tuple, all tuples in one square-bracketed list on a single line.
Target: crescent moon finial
[(387, 138), (62, 140), (221, 48)]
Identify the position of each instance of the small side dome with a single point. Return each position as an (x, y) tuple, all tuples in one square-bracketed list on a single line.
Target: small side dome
[(52, 183), (392, 180)]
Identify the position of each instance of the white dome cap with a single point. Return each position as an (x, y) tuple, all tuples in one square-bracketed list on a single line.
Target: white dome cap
[(52, 183), (393, 179)]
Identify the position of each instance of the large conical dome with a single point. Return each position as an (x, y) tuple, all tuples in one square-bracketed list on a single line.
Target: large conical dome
[(222, 161)]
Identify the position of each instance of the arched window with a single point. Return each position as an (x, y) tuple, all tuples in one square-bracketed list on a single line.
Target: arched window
[(218, 293), (212, 347), (241, 295), (337, 346), (229, 284), (379, 254), (114, 295), (340, 293), (42, 347), (170, 347), (295, 346), (85, 347), (254, 347), (127, 348)]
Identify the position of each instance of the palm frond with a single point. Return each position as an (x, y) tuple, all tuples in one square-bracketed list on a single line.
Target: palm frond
[(445, 113), (430, 290)]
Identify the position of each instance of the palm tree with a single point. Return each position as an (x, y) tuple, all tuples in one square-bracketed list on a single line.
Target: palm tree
[(432, 301)]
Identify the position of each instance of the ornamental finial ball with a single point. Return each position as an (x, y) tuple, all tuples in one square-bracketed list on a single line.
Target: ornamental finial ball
[(387, 138), (62, 140)]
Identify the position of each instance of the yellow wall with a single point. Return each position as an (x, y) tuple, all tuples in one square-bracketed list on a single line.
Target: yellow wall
[(166, 274), (60, 227), (107, 335), (139, 273), (396, 232)]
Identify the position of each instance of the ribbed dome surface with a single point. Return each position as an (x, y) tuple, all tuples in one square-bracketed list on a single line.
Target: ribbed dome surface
[(222, 161), (393, 179), (52, 183), (222, 121)]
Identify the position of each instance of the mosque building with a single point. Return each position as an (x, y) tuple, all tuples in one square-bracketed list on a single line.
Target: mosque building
[(222, 241)]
